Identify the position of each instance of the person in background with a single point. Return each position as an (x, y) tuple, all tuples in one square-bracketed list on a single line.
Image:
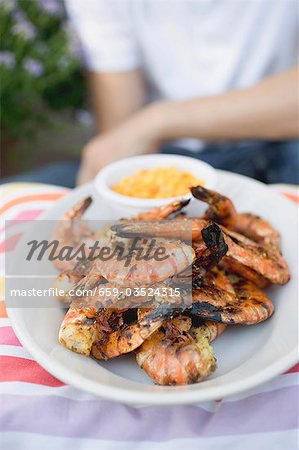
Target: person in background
[(213, 79)]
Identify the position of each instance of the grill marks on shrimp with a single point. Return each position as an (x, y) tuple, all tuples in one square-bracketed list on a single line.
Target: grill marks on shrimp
[(222, 272)]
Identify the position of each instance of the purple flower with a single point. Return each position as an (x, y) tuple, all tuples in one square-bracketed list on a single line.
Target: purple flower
[(22, 26), (52, 6), (34, 67), (9, 5), (85, 117), (7, 59)]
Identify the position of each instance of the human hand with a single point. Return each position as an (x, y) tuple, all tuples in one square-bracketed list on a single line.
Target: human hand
[(137, 135)]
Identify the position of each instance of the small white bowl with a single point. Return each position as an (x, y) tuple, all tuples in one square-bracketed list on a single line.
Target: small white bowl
[(126, 206)]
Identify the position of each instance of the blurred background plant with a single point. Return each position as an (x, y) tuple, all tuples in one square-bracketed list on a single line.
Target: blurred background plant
[(42, 85)]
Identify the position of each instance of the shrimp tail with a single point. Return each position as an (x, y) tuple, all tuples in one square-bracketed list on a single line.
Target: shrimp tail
[(214, 240), (182, 229), (83, 206), (221, 207), (209, 257), (162, 212)]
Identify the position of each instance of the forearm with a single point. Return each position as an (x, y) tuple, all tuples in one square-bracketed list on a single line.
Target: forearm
[(268, 110), (115, 96)]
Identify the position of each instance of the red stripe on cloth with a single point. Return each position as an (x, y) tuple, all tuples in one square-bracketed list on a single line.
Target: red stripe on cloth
[(23, 215), (8, 337), (294, 369), (3, 313), (13, 368), (10, 244), (30, 198), (27, 215)]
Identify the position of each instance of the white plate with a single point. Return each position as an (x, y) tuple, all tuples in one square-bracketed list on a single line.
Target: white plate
[(247, 356)]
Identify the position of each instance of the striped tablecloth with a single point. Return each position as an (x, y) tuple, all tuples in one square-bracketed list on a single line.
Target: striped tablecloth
[(40, 412)]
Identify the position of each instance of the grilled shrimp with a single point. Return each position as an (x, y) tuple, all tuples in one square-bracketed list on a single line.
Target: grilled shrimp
[(157, 213), (88, 319), (222, 211), (270, 265), (206, 257), (265, 261), (171, 336), (128, 337), (78, 329), (218, 278), (186, 229), (83, 329), (161, 212), (232, 266), (180, 353), (71, 231), (210, 252), (177, 257), (250, 306), (71, 278)]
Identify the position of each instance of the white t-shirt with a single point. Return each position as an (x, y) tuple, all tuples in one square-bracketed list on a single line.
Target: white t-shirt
[(189, 48)]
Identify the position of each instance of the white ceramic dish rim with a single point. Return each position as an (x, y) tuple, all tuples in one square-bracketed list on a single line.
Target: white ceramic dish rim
[(175, 395), (101, 184)]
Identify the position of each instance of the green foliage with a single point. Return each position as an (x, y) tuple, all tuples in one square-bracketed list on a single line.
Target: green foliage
[(39, 64)]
